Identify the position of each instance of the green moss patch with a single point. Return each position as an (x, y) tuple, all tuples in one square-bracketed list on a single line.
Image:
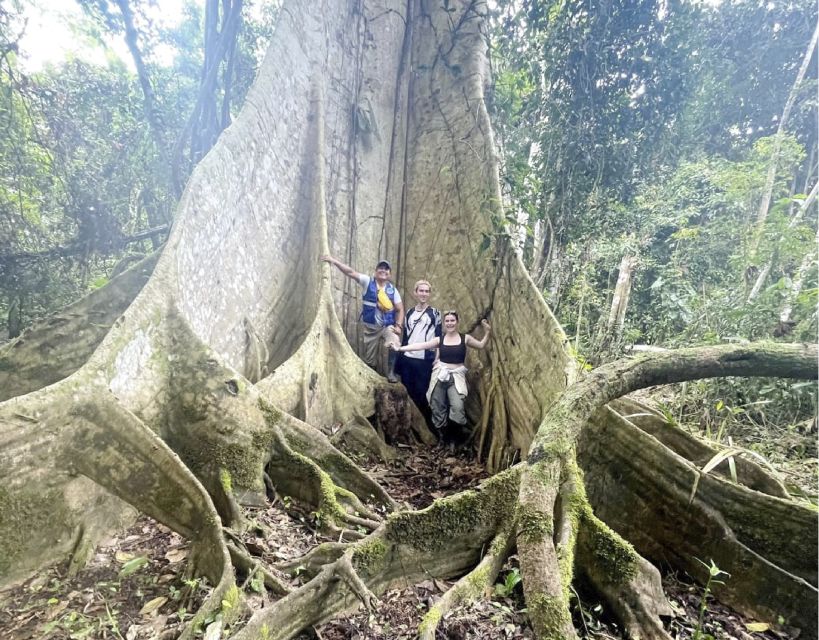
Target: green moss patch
[(433, 527), (551, 615), (533, 525)]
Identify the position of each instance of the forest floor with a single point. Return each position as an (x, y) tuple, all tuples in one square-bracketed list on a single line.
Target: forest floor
[(135, 587)]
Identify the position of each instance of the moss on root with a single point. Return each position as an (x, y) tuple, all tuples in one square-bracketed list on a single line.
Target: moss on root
[(226, 481), (272, 416), (241, 464), (457, 515), (552, 614), (615, 557), (369, 557), (533, 525), (430, 620), (225, 444), (478, 579)]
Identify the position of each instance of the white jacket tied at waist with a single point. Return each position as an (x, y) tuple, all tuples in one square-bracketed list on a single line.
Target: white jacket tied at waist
[(443, 373)]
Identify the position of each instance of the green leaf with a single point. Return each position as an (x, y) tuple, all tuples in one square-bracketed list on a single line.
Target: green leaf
[(133, 566)]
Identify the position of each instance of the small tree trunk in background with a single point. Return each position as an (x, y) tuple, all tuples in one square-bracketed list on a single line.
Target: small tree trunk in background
[(796, 286), (527, 243), (767, 193), (580, 311), (760, 280), (541, 261), (14, 321), (207, 120), (766, 269), (554, 273), (619, 303), (142, 73)]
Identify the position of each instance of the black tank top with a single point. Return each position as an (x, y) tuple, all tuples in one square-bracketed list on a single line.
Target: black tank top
[(452, 353)]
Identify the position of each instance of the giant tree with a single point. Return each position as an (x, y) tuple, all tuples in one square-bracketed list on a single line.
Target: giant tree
[(184, 386)]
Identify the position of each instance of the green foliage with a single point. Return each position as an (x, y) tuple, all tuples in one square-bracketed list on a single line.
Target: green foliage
[(714, 573), (79, 175), (729, 407), (697, 224), (692, 231), (506, 587), (256, 583), (582, 100), (646, 130)]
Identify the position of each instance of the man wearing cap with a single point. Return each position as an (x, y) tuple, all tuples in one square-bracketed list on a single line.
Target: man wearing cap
[(382, 315)]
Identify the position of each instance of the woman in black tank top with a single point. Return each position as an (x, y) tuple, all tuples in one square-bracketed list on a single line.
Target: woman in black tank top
[(453, 353), (448, 386)]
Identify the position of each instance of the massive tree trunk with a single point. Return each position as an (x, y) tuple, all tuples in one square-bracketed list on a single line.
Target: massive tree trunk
[(366, 134)]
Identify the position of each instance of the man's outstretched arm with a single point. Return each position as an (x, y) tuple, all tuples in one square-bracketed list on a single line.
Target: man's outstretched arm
[(346, 269)]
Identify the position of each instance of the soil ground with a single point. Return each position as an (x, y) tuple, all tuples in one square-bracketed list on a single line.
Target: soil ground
[(135, 587)]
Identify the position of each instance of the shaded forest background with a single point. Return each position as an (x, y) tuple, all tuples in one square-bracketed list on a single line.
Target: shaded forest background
[(659, 166)]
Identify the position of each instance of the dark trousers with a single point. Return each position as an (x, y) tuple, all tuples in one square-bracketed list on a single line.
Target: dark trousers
[(415, 374)]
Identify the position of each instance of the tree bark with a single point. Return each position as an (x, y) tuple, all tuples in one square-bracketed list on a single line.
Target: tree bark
[(622, 292)]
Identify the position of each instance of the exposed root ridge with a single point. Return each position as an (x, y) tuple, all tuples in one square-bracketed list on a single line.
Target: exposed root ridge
[(344, 568), (474, 585), (245, 563), (552, 454), (547, 552), (338, 510), (314, 445), (401, 550), (312, 561)]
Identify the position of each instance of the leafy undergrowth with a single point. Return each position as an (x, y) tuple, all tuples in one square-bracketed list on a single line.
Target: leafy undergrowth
[(135, 588)]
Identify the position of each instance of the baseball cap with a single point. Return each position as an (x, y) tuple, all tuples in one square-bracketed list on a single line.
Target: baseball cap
[(384, 264)]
